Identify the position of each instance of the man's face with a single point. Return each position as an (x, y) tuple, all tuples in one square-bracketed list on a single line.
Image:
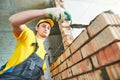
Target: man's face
[(43, 29)]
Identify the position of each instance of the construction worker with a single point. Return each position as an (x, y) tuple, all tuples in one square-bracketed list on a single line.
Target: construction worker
[(27, 61)]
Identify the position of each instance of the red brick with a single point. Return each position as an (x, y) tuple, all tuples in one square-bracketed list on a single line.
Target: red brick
[(73, 47), (110, 18), (76, 69), (81, 67), (59, 60), (69, 62), (95, 61), (58, 77), (63, 66), (51, 73), (110, 73), (80, 40), (92, 76), (84, 51), (98, 24), (94, 46), (60, 68), (55, 71), (67, 73), (109, 54), (87, 49), (116, 49), (67, 43), (76, 57), (67, 52), (112, 52), (118, 18), (117, 28), (65, 32), (100, 41), (88, 76), (64, 74), (74, 78), (63, 57), (103, 39), (102, 58), (51, 67), (98, 75), (61, 27), (86, 65), (114, 71), (81, 77), (68, 37), (117, 68), (114, 19), (55, 64), (53, 78)]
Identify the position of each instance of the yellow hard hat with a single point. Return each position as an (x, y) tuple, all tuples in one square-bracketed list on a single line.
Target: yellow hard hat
[(50, 21)]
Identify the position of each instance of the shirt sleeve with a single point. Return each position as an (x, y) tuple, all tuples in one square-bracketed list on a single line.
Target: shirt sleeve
[(24, 34)]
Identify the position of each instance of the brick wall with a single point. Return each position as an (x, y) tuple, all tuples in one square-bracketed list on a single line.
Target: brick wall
[(94, 54)]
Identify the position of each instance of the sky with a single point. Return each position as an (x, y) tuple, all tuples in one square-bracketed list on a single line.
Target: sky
[(83, 11)]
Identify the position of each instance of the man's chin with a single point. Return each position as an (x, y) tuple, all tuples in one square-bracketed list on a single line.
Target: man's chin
[(45, 36)]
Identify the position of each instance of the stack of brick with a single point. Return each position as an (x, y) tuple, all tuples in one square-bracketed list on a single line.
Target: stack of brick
[(94, 54), (64, 28), (66, 34)]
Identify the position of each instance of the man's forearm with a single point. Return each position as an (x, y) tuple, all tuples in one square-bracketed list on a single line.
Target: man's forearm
[(25, 16)]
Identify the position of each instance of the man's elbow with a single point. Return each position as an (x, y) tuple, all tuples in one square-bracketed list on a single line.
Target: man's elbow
[(11, 20)]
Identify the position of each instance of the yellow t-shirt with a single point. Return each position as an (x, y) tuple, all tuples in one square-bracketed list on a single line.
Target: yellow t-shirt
[(24, 49)]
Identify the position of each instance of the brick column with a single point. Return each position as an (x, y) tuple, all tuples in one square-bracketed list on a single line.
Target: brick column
[(65, 29)]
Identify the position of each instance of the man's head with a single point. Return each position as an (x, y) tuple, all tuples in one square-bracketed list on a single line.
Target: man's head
[(50, 21), (43, 27)]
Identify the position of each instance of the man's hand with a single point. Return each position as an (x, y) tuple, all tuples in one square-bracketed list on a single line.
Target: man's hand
[(57, 14)]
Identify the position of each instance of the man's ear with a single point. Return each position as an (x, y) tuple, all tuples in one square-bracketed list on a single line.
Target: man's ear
[(36, 28)]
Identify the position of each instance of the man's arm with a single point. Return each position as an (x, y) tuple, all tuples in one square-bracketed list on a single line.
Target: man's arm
[(18, 19), (23, 17)]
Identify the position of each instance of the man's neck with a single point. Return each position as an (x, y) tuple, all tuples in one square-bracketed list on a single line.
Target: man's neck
[(41, 38)]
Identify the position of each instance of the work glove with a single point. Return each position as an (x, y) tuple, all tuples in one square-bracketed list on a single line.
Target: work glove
[(57, 14)]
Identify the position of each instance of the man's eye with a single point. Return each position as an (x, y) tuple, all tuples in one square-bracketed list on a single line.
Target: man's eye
[(43, 25), (48, 28)]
